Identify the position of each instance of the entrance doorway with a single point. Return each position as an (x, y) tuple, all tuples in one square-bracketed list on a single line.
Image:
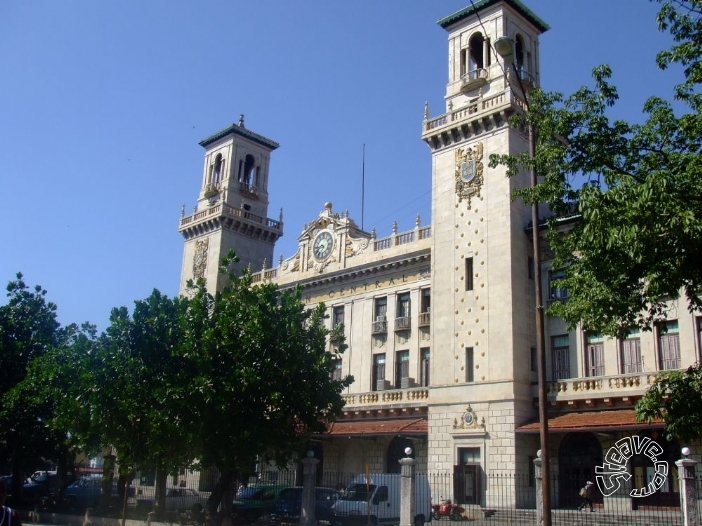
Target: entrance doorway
[(577, 457)]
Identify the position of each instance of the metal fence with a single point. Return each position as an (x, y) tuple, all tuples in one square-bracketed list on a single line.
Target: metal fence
[(481, 498)]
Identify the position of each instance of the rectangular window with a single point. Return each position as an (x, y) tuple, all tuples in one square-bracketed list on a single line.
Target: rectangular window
[(560, 350), (469, 365), (402, 311), (424, 307), (669, 345), (699, 339), (425, 355), (631, 353), (469, 274), (530, 267), (338, 316), (378, 376), (556, 293), (381, 308), (380, 320), (594, 355), (336, 373), (534, 360), (401, 369)]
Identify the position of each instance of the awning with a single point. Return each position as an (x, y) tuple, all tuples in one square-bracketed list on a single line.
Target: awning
[(614, 420), (398, 426)]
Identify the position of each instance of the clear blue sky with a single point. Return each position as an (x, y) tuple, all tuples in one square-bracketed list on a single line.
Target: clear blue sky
[(102, 105)]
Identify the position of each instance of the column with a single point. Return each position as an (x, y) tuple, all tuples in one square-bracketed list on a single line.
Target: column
[(539, 489), (309, 481), (688, 493), (407, 481)]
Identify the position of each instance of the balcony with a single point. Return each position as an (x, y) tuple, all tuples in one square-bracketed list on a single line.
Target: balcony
[(424, 319), (403, 323), (619, 390), (380, 325), (474, 79), (414, 396)]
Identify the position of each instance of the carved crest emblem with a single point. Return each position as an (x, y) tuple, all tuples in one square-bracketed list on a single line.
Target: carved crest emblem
[(200, 258), (469, 172), (468, 420)]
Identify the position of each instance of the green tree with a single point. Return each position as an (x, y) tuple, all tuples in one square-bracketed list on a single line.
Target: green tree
[(675, 398), (264, 380), (28, 330), (637, 242), (137, 389)]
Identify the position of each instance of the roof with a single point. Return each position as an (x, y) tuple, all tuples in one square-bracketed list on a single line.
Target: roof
[(614, 420), (240, 130), (483, 4), (402, 426)]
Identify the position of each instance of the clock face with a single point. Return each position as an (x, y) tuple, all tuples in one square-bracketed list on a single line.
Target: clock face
[(323, 244)]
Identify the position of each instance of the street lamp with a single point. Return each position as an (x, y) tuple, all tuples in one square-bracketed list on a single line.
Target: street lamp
[(504, 46)]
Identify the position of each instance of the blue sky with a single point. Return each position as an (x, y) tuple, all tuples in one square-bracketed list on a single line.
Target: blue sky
[(102, 106)]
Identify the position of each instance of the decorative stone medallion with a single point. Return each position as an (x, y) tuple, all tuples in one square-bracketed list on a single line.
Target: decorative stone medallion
[(200, 258), (469, 172), (469, 420)]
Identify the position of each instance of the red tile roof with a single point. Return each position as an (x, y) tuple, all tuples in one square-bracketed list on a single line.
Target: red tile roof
[(404, 426), (618, 419)]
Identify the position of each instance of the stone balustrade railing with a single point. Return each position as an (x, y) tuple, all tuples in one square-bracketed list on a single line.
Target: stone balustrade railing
[(386, 397), (574, 386)]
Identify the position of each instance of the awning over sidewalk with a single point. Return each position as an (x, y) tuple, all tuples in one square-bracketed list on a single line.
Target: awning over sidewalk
[(398, 426), (614, 420)]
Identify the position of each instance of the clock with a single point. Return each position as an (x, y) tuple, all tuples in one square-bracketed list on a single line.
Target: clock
[(322, 246)]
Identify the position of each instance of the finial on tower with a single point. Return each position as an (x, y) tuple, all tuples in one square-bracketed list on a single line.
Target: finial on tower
[(182, 211), (241, 121), (426, 110)]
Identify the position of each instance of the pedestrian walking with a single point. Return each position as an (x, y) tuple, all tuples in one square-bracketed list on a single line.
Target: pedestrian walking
[(8, 516), (586, 494)]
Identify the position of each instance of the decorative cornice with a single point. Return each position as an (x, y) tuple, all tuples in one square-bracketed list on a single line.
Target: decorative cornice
[(236, 129), (466, 12)]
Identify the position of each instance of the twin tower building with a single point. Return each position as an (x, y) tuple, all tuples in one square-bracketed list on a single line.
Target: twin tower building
[(440, 319)]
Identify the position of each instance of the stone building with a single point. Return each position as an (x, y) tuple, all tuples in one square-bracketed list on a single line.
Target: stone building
[(439, 320)]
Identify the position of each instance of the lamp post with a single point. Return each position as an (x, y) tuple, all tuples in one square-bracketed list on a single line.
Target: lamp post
[(505, 48)]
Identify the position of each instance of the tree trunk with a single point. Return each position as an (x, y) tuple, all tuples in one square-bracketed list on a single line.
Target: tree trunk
[(222, 496), (161, 479), (108, 474)]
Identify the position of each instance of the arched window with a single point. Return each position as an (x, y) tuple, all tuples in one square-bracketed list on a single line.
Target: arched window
[(248, 175), (396, 451), (217, 172), (519, 54), (475, 53)]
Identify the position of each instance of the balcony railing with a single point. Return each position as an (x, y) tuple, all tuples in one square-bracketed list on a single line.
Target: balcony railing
[(424, 319), (391, 396), (403, 323), (380, 326), (601, 386)]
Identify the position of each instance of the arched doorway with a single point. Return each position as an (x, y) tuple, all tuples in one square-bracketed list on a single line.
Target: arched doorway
[(578, 455), (396, 451), (642, 469)]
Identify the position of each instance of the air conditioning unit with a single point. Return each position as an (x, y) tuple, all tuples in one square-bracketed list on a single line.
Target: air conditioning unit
[(381, 318), (406, 383), (382, 385)]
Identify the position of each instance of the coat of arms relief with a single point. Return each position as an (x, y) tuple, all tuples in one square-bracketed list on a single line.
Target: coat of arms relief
[(469, 172)]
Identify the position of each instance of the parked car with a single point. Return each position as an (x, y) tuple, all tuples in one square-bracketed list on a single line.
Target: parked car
[(255, 501), (288, 505), (183, 499), (178, 499), (41, 485), (86, 492)]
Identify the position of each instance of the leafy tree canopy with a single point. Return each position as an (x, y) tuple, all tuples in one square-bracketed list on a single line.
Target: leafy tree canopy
[(676, 398), (637, 242)]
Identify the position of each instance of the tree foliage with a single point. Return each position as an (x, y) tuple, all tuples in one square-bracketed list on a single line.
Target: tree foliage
[(28, 331), (638, 240), (675, 398), (264, 375)]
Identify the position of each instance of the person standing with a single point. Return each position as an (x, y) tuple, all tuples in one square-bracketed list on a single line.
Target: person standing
[(8, 516), (586, 494)]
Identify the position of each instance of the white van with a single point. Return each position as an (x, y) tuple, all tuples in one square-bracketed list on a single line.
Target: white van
[(375, 500)]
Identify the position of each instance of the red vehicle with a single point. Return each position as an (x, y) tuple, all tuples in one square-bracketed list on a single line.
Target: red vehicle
[(446, 508)]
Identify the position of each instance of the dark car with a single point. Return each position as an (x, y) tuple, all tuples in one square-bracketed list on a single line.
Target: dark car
[(288, 505), (86, 492), (41, 485), (254, 501)]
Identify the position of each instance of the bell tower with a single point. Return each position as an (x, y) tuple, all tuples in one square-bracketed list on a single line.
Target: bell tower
[(482, 289), (232, 207)]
